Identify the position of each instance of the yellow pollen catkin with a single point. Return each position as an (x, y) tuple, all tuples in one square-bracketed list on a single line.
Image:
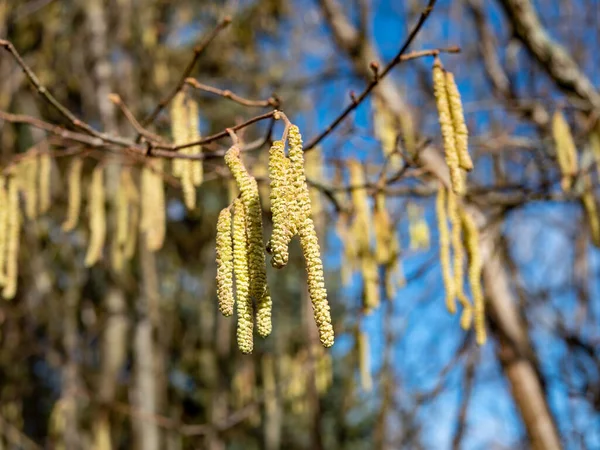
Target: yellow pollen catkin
[(13, 231), (245, 322), (29, 173), (197, 172), (74, 201), (461, 133), (154, 214), (591, 210), (475, 267), (310, 243), (447, 128), (122, 224), (444, 236), (281, 197), (45, 172), (361, 229), (3, 227), (459, 255), (384, 231), (566, 152), (386, 130), (97, 217), (179, 130), (225, 262), (259, 289), (314, 168)]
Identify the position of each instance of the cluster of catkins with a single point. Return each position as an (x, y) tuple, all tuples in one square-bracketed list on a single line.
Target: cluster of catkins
[(240, 248), (449, 208)]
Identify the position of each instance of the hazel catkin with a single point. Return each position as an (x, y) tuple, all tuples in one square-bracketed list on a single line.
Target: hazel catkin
[(281, 197), (566, 152), (225, 262), (97, 217), (444, 237), (256, 257), (13, 231), (243, 300), (461, 133), (74, 195)]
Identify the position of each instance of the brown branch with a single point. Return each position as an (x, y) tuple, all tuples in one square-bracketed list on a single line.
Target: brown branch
[(271, 101), (117, 100), (400, 57), (198, 50)]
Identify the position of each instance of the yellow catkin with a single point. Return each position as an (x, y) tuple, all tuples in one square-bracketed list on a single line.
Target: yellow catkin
[(29, 173), (364, 361), (194, 135), (13, 231), (74, 196), (133, 199), (179, 129), (361, 229), (418, 229), (154, 214), (595, 144), (370, 275), (566, 152), (385, 127), (259, 289), (243, 300), (323, 370), (3, 227), (45, 172), (444, 236), (309, 242), (384, 231), (349, 259), (225, 262), (461, 133), (591, 210), (447, 128), (459, 254), (121, 224), (281, 196), (97, 217), (475, 267)]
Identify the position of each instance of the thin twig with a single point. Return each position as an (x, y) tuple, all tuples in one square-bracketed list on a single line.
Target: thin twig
[(117, 100), (271, 101), (400, 57), (198, 50)]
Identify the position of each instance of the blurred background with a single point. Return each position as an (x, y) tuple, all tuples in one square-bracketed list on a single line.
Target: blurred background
[(142, 359)]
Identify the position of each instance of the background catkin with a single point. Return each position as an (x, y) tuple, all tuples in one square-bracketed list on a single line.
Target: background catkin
[(97, 217), (13, 231), (225, 262), (245, 322), (179, 129), (256, 256), (74, 200), (566, 152), (45, 172), (591, 210), (309, 242), (281, 197), (121, 224), (447, 128), (459, 255), (444, 236), (29, 173), (153, 220), (475, 267), (3, 227), (461, 133)]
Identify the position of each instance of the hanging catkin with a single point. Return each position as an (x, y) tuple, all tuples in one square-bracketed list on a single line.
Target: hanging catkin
[(259, 289), (13, 231), (458, 265), (591, 210), (444, 236), (179, 130), (245, 322), (309, 241), (314, 166), (361, 229), (447, 128), (29, 174), (461, 133), (566, 152), (383, 230), (133, 200), (121, 223), (74, 186), (45, 172), (3, 227), (225, 262), (97, 217), (197, 173), (472, 242), (418, 229), (282, 197), (153, 220)]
